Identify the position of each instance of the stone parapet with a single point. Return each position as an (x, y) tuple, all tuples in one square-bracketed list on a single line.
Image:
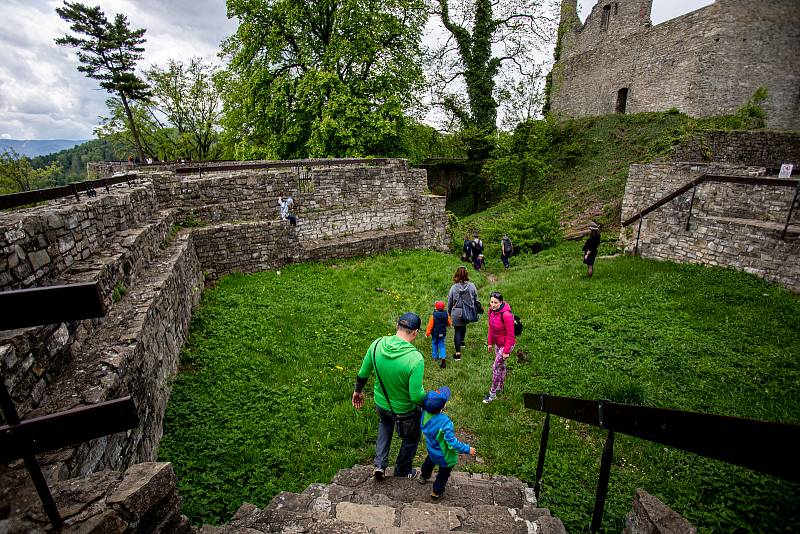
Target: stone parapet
[(759, 148), (732, 225), (651, 516), (40, 243)]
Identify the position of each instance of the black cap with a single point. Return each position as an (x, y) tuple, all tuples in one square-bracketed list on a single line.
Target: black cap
[(410, 320)]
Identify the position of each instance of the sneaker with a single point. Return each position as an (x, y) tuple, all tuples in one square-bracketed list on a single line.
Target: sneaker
[(423, 480), (489, 398), (436, 496), (414, 473), (379, 474), (442, 364), (457, 356)]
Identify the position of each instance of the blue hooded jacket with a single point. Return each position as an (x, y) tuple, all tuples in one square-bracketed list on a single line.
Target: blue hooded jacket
[(432, 425)]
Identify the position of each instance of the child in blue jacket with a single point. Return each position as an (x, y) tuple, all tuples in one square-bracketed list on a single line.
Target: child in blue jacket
[(440, 438)]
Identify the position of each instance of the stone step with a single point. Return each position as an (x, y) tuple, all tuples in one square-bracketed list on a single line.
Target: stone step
[(355, 502), (34, 357), (119, 263)]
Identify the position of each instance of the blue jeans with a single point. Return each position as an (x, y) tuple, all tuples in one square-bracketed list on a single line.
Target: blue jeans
[(437, 348), (408, 447), (441, 477)]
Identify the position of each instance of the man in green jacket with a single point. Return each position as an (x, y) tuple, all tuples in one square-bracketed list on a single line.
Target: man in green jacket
[(398, 367)]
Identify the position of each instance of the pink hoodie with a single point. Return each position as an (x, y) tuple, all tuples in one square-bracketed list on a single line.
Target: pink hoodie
[(501, 328)]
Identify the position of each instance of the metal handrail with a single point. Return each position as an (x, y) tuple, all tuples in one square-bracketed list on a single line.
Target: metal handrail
[(747, 180), (763, 446), (23, 198)]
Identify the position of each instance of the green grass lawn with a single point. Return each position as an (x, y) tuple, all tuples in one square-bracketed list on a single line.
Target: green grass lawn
[(262, 402)]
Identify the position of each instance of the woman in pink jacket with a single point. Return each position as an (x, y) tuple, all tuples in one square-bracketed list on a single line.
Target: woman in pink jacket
[(501, 340)]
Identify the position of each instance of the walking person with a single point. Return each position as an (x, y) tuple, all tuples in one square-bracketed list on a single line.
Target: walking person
[(477, 252), (590, 247), (500, 340), (398, 368), (462, 305), (440, 440), (506, 250), (437, 327), (466, 249)]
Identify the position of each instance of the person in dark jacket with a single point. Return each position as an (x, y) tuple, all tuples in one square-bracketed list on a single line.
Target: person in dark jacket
[(477, 252), (466, 250), (590, 247)]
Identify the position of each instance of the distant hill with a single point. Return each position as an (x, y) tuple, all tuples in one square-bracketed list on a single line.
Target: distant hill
[(38, 147)]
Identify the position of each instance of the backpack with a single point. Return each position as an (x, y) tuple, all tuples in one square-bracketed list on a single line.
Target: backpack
[(517, 325), (508, 246)]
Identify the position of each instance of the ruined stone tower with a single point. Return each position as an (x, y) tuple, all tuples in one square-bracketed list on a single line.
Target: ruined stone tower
[(707, 62)]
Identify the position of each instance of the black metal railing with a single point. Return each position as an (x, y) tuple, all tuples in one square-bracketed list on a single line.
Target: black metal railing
[(763, 446), (24, 198), (747, 180)]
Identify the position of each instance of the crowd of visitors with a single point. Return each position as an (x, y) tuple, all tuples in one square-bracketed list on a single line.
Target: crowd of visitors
[(400, 399)]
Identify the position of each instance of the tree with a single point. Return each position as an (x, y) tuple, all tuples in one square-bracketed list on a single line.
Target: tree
[(503, 32), (321, 77), (185, 95), (108, 53), (16, 174)]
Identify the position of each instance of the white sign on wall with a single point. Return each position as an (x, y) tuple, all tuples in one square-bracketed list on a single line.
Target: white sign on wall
[(786, 170)]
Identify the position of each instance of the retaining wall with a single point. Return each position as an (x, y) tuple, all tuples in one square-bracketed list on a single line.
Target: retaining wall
[(732, 225)]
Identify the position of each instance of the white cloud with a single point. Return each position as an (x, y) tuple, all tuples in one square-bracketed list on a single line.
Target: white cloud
[(663, 10), (42, 94)]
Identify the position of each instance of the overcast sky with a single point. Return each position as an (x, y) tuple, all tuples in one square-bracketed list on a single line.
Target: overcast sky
[(43, 96)]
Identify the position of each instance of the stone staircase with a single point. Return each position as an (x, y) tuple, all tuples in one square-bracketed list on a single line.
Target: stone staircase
[(355, 503)]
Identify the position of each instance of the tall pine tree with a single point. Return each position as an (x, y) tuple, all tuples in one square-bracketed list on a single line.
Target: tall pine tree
[(108, 52)]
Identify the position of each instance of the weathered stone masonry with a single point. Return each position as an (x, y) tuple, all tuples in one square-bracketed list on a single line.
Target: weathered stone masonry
[(151, 276), (707, 62), (732, 225)]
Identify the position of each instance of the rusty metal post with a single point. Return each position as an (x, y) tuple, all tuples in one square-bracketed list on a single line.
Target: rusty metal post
[(602, 483), (39, 482), (638, 232)]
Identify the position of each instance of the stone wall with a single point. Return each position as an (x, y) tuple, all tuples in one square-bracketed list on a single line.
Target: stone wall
[(732, 225), (42, 243), (151, 275), (707, 62), (758, 148)]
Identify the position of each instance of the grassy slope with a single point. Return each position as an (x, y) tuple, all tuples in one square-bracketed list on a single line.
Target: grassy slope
[(590, 159), (263, 402)]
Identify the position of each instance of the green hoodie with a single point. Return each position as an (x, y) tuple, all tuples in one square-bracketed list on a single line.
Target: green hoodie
[(401, 367)]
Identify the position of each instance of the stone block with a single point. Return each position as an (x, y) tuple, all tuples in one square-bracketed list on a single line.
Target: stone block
[(651, 516), (143, 487), (549, 525), (413, 519), (38, 259), (370, 516)]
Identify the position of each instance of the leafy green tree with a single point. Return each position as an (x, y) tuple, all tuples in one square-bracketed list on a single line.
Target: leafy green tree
[(483, 36), (108, 53), (16, 174), (72, 162), (523, 158), (187, 98), (320, 77)]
